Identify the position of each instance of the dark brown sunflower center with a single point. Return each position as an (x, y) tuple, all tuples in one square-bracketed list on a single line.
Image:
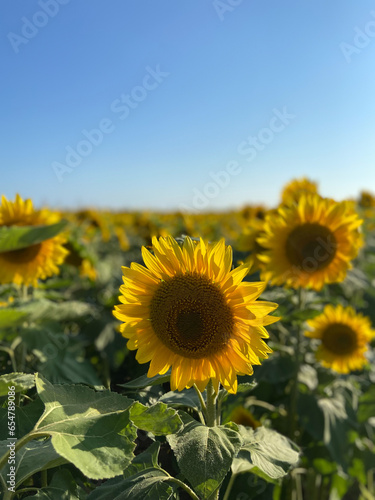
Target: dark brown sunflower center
[(190, 315), (311, 247), (23, 255), (339, 338)]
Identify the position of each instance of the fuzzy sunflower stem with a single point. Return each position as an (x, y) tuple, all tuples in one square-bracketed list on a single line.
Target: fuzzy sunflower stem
[(294, 389), (183, 486), (230, 486), (201, 400), (211, 405)]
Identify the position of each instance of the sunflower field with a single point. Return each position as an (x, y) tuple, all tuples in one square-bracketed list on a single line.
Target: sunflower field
[(189, 356)]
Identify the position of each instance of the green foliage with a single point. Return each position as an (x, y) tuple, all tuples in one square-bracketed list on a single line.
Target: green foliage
[(83, 433), (366, 408), (31, 458), (90, 429), (63, 487), (205, 454), (264, 452), (158, 419), (17, 237), (20, 381)]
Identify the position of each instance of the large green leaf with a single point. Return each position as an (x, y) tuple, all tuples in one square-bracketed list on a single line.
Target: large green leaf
[(264, 452), (118, 488), (145, 485), (158, 419), (17, 237), (20, 381), (31, 458), (90, 429), (205, 454), (62, 487)]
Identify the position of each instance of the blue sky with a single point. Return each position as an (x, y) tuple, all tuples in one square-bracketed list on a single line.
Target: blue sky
[(200, 104)]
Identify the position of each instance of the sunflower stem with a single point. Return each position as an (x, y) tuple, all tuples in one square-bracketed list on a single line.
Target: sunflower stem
[(230, 486), (211, 405), (294, 388), (201, 400), (183, 486)]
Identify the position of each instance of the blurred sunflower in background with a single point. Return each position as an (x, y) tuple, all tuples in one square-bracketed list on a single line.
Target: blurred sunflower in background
[(39, 261), (293, 191), (188, 310), (247, 242), (366, 199), (344, 336), (241, 416), (310, 243)]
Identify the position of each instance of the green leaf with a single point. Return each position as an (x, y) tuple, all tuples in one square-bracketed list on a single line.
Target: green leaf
[(145, 485), (328, 420), (10, 317), (264, 452), (90, 429), (63, 486), (205, 454), (31, 458), (25, 418), (21, 382), (148, 459), (158, 419), (61, 357), (17, 237), (366, 408), (186, 398), (144, 381)]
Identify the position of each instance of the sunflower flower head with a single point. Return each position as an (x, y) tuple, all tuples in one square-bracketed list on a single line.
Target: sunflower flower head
[(241, 416), (39, 261), (189, 311), (344, 336), (310, 243), (293, 191), (247, 242)]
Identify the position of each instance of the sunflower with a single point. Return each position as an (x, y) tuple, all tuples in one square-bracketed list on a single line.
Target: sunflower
[(366, 200), (311, 243), (188, 310), (293, 191), (247, 242), (344, 336), (27, 265), (241, 416)]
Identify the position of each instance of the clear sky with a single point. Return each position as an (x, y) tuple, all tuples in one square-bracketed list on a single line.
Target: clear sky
[(185, 104)]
